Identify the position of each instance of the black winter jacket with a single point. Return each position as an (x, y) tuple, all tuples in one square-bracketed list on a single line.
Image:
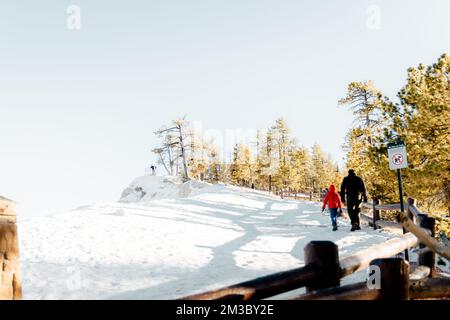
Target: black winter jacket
[(352, 187)]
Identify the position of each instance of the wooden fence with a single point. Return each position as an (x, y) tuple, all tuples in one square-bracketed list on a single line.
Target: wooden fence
[(323, 270), (311, 196), (10, 280)]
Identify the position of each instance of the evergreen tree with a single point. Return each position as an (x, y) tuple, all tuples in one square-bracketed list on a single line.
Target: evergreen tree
[(214, 174), (319, 174), (282, 144), (365, 101), (241, 172), (426, 100), (421, 119), (300, 174)]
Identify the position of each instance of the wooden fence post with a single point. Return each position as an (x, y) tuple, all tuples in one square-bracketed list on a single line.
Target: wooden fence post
[(394, 278), (427, 258), (410, 203), (325, 256), (10, 281), (376, 213)]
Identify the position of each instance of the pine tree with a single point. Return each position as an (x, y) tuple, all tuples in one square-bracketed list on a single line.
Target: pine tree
[(426, 99), (214, 172), (366, 142), (268, 164), (319, 176), (197, 151), (241, 171), (365, 100), (282, 146), (300, 175), (173, 146), (421, 119)]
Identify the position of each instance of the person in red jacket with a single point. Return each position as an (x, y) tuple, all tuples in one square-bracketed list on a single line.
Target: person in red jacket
[(333, 199)]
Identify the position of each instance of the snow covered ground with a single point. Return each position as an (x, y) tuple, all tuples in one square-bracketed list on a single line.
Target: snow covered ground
[(164, 240)]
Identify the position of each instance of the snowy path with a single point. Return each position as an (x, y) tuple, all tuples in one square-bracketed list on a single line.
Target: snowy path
[(168, 248)]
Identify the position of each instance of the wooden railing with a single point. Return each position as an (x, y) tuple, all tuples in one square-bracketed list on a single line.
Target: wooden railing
[(375, 220), (311, 196), (10, 280), (323, 269)]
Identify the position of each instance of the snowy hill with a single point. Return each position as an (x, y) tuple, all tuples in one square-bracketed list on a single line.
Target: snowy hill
[(149, 188), (165, 239)]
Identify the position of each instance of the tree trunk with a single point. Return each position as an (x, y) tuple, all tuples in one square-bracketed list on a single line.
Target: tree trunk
[(163, 163), (183, 153)]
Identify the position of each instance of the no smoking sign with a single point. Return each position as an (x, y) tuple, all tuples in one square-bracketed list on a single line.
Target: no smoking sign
[(397, 156)]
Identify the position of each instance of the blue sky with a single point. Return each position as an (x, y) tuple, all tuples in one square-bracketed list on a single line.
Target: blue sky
[(78, 108)]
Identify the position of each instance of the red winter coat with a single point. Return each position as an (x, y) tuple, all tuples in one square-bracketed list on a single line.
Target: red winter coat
[(333, 199)]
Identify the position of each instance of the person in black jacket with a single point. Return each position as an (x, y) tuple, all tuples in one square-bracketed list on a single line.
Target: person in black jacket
[(351, 190)]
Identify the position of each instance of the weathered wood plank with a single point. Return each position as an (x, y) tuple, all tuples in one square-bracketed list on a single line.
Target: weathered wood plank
[(9, 243), (357, 291), (431, 288), (8, 219), (419, 273), (7, 207), (424, 237), (263, 287), (325, 256), (7, 278), (6, 292), (1, 266), (11, 265), (414, 211), (427, 258), (17, 286), (383, 207), (361, 259), (390, 226), (289, 280), (394, 283), (388, 207), (10, 278), (321, 270)]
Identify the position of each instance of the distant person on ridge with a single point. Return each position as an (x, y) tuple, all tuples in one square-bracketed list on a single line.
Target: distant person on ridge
[(351, 189), (333, 199)]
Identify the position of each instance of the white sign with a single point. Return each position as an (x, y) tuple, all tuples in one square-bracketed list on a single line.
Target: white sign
[(397, 155)]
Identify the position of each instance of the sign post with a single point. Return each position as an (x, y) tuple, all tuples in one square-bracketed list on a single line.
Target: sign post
[(398, 160)]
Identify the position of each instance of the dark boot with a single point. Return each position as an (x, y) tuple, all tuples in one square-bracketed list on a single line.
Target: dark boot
[(335, 227), (353, 227), (357, 223)]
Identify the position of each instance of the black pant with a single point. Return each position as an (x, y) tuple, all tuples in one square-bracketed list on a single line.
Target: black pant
[(353, 210)]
